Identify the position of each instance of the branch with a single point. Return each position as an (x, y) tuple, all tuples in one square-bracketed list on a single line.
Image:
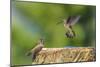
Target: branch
[(62, 55)]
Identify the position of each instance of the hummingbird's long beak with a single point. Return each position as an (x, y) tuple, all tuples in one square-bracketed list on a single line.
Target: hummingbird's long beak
[(58, 23)]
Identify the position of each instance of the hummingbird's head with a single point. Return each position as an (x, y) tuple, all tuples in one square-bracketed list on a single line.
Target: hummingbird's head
[(41, 41)]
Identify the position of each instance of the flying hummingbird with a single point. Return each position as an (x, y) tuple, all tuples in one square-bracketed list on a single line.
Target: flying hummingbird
[(68, 23), (34, 51)]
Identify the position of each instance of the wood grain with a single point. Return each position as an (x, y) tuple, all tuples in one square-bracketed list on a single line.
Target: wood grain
[(63, 55)]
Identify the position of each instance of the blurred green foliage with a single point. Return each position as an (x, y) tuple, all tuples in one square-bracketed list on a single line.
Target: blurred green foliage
[(33, 20)]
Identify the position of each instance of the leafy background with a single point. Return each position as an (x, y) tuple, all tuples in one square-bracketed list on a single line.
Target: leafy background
[(33, 20)]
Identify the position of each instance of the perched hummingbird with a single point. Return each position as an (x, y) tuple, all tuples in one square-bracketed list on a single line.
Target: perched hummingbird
[(68, 23), (36, 49)]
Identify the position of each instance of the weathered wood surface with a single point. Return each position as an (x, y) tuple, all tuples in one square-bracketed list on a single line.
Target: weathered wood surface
[(62, 55)]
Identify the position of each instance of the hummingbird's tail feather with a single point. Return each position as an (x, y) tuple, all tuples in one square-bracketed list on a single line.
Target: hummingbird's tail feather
[(73, 33), (33, 57), (70, 35)]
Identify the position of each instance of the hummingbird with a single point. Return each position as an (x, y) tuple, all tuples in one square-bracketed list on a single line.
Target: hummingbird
[(34, 51), (68, 23)]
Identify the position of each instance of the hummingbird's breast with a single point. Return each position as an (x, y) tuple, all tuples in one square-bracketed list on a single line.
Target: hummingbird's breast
[(67, 27)]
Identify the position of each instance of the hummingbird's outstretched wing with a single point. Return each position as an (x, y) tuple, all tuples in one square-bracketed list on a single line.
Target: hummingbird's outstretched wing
[(72, 20)]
